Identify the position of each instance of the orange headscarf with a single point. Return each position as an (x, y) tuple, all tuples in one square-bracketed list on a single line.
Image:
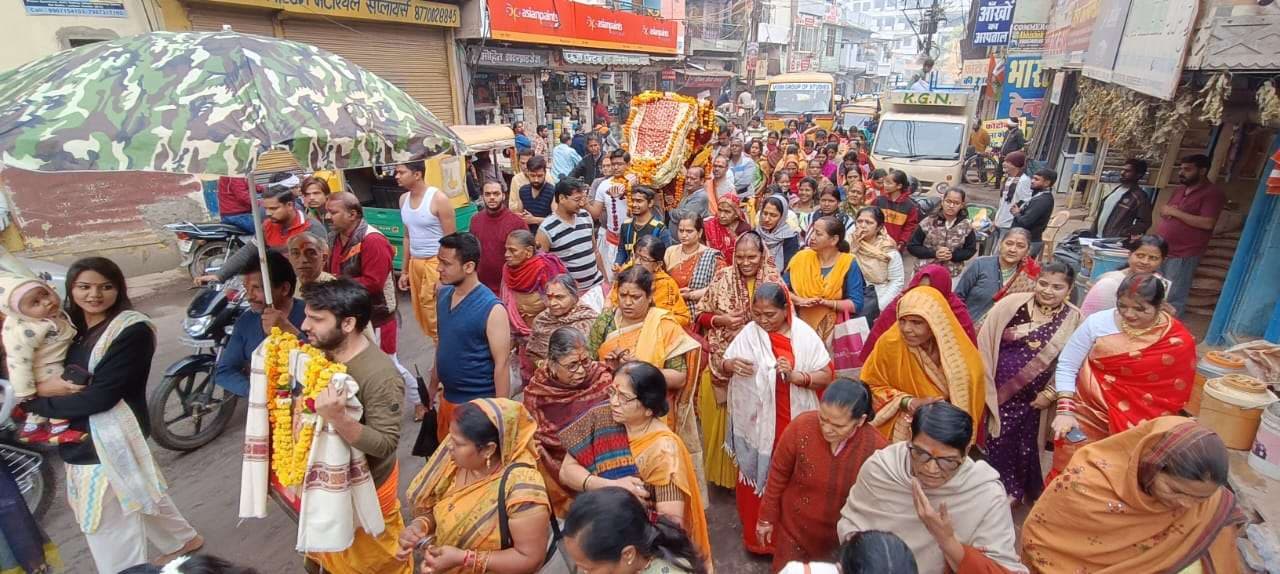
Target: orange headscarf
[(895, 370), (1097, 516)]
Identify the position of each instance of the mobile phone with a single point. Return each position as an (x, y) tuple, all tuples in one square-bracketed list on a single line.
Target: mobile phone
[(1076, 435)]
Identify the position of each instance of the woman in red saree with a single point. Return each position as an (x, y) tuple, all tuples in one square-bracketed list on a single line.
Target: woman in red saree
[(723, 228), (524, 288), (776, 362), (932, 275), (1124, 366)]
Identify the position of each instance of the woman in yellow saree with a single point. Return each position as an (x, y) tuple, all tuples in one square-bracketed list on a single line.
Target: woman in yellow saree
[(923, 358), (825, 279), (638, 401), (455, 496), (639, 331)]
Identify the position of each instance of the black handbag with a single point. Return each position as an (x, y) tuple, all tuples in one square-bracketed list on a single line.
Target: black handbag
[(427, 441)]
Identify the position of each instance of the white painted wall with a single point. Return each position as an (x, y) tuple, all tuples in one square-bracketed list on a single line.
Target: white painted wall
[(29, 37)]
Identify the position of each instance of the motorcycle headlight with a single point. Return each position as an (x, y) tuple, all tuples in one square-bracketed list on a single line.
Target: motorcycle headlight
[(196, 327)]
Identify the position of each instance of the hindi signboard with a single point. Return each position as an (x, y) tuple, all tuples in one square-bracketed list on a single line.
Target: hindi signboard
[(95, 8), (974, 73), (421, 12), (994, 20), (1023, 93)]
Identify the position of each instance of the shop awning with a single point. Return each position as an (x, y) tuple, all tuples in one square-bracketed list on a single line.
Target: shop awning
[(597, 58), (705, 78)]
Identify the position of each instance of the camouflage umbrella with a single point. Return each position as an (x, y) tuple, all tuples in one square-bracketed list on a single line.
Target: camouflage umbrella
[(207, 103)]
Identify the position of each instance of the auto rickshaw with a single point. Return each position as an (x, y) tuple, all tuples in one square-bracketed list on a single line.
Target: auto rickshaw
[(490, 154)]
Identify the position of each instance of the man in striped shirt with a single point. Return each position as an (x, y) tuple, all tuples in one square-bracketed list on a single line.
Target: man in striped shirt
[(567, 233)]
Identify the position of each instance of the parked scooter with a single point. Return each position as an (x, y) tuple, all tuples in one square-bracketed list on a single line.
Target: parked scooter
[(29, 468), (187, 409), (205, 246)]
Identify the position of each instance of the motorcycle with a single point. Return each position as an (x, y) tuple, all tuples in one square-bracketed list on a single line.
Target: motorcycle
[(205, 246), (187, 409), (29, 468)]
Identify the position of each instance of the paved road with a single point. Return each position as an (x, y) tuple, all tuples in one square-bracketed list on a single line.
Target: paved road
[(205, 483)]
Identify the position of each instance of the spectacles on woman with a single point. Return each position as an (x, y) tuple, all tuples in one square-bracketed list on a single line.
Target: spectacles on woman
[(578, 366), (623, 398), (922, 457)]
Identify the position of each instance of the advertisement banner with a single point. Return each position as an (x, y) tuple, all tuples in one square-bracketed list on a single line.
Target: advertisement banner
[(1154, 46), (96, 8), (580, 25), (1027, 36), (1070, 28), (994, 19), (1104, 44), (406, 11), (1023, 93), (974, 73)]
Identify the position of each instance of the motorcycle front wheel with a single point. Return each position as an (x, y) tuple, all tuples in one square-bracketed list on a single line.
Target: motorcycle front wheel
[(188, 410), (211, 255)]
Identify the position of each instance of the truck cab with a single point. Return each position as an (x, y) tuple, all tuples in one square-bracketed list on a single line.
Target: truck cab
[(925, 133)]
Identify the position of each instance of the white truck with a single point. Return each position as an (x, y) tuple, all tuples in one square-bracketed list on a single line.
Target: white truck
[(925, 134)]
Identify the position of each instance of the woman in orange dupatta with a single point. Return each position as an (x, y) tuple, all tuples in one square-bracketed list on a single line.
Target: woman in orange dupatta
[(923, 358), (638, 402), (825, 279), (649, 253), (1150, 499), (640, 331), (565, 386), (1123, 366)]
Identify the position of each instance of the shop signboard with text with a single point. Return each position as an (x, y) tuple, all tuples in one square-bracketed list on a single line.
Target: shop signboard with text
[(1070, 28), (421, 12), (1023, 92), (580, 25), (994, 20)]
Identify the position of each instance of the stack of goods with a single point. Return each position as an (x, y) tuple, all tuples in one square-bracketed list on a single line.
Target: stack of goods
[(663, 133)]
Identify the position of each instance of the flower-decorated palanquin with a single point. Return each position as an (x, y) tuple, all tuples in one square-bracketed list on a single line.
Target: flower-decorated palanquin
[(663, 134)]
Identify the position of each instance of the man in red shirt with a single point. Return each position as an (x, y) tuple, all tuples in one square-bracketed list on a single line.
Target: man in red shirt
[(1186, 224), (233, 202), (284, 219), (491, 227), (364, 254)]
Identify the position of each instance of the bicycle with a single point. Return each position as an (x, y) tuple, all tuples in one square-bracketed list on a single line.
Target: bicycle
[(980, 167)]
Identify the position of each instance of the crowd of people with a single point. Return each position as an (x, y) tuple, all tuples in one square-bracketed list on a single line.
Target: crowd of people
[(877, 396)]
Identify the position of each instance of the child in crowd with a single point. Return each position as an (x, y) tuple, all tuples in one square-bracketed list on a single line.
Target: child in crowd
[(37, 333)]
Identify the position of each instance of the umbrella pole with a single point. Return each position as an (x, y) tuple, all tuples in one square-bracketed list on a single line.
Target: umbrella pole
[(259, 239)]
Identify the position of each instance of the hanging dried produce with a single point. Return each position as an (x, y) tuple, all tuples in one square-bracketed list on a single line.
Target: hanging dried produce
[(1268, 104), (1213, 98)]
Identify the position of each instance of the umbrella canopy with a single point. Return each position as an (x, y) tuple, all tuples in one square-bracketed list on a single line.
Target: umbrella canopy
[(207, 103)]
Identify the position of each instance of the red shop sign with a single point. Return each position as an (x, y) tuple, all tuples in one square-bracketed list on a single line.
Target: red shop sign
[(574, 24)]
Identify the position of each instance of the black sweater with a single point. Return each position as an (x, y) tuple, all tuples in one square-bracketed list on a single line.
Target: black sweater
[(121, 374), (1035, 214)]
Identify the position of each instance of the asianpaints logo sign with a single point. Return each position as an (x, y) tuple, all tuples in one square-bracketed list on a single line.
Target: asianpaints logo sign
[(657, 32), (612, 26), (543, 17)]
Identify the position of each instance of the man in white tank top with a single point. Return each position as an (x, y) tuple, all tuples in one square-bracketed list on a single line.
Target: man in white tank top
[(427, 215)]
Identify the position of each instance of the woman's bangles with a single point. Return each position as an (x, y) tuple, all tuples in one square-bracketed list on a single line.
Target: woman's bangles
[(1066, 403), (476, 561)]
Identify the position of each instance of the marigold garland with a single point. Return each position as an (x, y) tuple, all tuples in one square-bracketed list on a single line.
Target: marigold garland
[(289, 453), (676, 152)]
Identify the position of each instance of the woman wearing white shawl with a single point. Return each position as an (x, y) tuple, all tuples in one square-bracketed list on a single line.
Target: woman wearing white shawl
[(950, 510), (776, 362)]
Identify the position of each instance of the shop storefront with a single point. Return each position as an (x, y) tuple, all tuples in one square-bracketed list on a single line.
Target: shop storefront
[(506, 86), (407, 42), (596, 52)]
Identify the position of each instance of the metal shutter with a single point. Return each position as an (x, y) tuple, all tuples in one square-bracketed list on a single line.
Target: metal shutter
[(414, 58), (206, 18)]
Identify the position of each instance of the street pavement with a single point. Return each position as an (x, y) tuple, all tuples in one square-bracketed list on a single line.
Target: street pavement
[(205, 484)]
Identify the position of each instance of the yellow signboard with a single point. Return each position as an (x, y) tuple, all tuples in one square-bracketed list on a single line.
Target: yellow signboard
[(421, 12)]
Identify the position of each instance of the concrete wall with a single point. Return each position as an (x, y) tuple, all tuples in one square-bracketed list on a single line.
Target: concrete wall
[(64, 216), (29, 37)]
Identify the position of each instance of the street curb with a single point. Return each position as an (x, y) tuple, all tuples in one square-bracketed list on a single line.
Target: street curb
[(145, 286)]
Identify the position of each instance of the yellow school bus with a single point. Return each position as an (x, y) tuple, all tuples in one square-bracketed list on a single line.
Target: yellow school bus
[(797, 96)]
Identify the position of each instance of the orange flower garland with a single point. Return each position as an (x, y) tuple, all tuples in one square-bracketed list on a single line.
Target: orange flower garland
[(290, 453)]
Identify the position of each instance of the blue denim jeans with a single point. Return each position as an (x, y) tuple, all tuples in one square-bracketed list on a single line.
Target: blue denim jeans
[(243, 221), (1179, 271)]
